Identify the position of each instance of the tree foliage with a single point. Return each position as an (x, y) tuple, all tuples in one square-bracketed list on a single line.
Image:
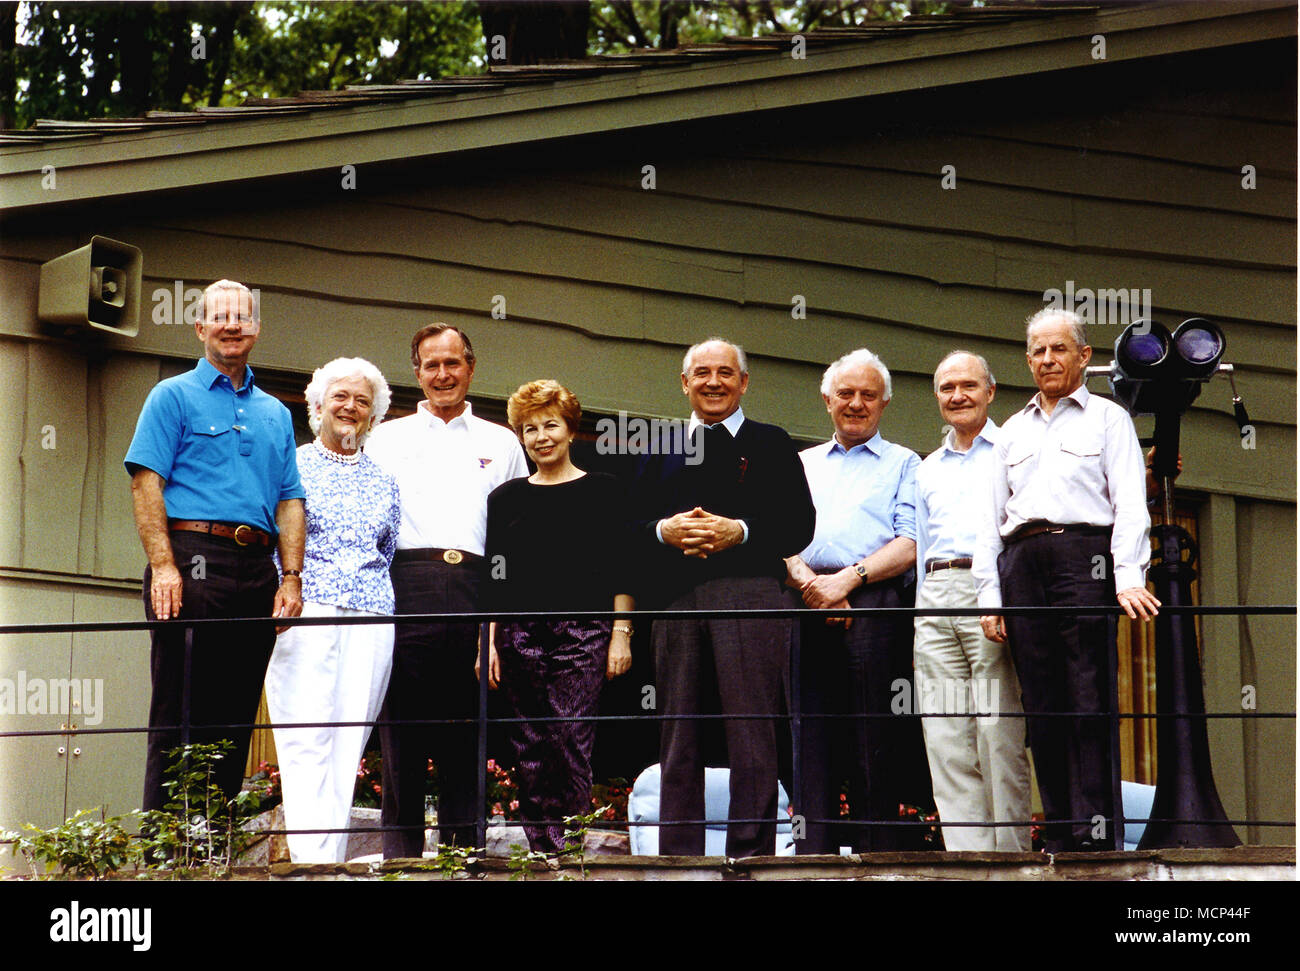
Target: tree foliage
[(312, 46), (82, 60), (622, 25), (77, 60), (121, 59)]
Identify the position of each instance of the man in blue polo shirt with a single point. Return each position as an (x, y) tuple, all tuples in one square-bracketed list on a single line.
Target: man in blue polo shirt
[(215, 489)]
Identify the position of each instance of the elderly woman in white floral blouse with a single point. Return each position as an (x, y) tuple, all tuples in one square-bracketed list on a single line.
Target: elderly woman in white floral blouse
[(336, 673)]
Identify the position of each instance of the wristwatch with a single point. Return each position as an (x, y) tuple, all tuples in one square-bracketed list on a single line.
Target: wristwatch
[(861, 571)]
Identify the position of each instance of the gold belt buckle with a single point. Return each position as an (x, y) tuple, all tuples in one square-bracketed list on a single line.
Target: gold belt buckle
[(452, 556), (242, 542)]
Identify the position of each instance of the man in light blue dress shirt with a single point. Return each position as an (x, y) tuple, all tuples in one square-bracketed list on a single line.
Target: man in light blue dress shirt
[(862, 555), (978, 765)]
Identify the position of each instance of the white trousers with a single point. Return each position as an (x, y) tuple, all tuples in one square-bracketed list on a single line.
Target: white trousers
[(978, 765), (325, 674)]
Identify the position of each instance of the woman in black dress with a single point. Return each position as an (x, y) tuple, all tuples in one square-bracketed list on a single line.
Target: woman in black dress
[(554, 542)]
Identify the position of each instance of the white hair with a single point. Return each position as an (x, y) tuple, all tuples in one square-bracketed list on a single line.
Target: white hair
[(859, 358), (340, 369), (231, 285), (1077, 331), (984, 365), (740, 353)]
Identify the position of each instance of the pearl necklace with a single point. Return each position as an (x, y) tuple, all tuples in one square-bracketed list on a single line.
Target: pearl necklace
[(338, 457)]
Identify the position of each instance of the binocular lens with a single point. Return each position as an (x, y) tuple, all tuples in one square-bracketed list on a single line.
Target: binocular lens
[(1145, 349), (1198, 345)]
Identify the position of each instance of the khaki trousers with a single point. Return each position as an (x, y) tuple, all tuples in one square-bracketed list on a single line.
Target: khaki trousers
[(978, 765)]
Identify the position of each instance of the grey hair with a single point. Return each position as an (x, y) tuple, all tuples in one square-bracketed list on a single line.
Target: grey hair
[(984, 365), (857, 358), (337, 370), (740, 353), (232, 285), (1077, 331)]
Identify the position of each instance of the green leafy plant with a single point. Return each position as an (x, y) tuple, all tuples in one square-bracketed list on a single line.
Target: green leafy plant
[(82, 846), (199, 828), (522, 860), (452, 860), (575, 834)]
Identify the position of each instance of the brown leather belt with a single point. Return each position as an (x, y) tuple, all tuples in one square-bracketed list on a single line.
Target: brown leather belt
[(452, 557), (1038, 527), (960, 563), (240, 533)]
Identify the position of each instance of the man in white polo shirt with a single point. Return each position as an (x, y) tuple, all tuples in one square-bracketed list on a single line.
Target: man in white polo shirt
[(446, 461), (978, 765)]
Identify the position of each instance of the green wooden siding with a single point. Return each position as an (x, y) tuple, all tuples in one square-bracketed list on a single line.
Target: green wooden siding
[(1109, 180)]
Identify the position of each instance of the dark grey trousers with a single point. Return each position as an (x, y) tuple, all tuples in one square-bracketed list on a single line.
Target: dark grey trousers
[(748, 658)]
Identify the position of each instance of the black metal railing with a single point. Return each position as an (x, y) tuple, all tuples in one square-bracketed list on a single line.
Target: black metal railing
[(795, 717)]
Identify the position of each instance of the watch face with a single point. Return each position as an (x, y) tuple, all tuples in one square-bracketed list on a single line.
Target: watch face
[(860, 570)]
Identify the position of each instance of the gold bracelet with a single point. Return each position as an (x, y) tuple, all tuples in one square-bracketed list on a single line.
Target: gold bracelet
[(624, 630)]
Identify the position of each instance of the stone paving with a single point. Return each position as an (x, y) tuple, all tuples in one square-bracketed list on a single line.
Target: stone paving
[(1239, 864)]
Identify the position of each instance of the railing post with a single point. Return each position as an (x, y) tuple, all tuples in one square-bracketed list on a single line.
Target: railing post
[(796, 727), (481, 824), (185, 685), (1116, 757)]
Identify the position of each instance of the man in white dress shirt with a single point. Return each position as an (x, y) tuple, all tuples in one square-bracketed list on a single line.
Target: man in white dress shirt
[(446, 461), (978, 766), (861, 555), (1069, 529)]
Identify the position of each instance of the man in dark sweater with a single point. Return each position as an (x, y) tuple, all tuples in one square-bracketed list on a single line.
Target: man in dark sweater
[(716, 521)]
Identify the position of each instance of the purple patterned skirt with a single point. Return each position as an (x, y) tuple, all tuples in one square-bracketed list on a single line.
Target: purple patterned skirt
[(552, 669)]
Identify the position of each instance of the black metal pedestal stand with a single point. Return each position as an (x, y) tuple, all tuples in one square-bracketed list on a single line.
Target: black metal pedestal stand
[(1185, 787)]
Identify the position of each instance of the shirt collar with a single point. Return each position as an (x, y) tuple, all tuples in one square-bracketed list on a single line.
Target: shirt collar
[(990, 433), (209, 375), (875, 445), (731, 423), (1079, 395), (433, 421)]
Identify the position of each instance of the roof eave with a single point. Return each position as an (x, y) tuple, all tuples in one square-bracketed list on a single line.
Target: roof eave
[(234, 148)]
